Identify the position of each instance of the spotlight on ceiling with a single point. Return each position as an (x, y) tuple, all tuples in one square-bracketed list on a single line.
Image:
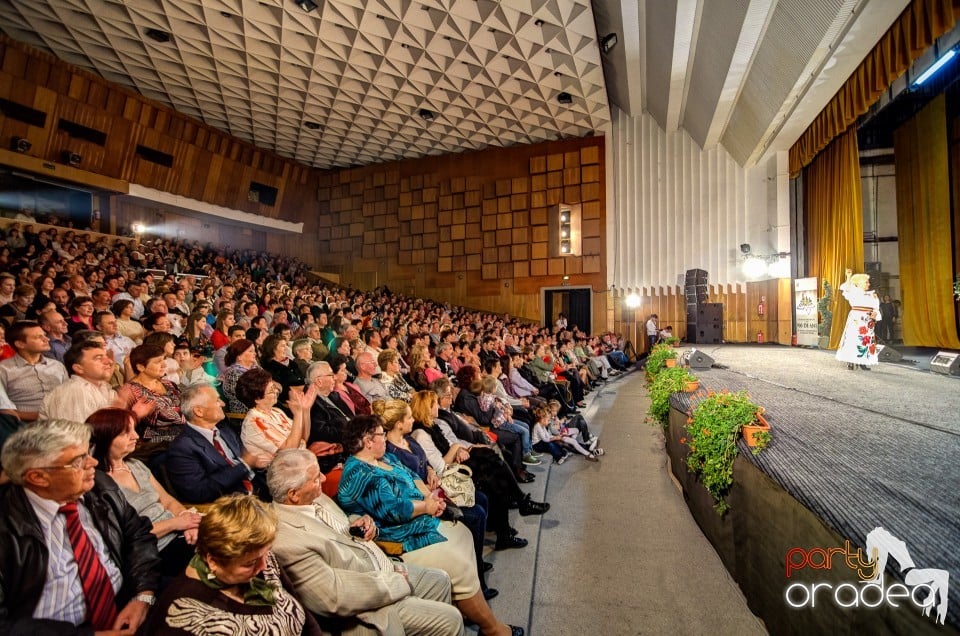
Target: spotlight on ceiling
[(307, 5), (312, 125), (565, 98), (71, 158), (21, 145), (426, 114), (157, 35), (608, 42)]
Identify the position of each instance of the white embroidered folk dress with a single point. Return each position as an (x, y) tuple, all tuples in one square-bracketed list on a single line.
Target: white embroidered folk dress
[(858, 345)]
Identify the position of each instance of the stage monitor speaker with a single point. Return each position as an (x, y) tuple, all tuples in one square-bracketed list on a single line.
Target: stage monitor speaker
[(699, 360), (946, 362), (886, 353)]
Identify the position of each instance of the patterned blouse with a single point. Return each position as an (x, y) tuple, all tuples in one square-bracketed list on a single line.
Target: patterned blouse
[(190, 608), (229, 386), (388, 496), (166, 420)]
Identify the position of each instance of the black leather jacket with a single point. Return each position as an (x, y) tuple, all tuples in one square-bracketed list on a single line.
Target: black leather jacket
[(23, 555)]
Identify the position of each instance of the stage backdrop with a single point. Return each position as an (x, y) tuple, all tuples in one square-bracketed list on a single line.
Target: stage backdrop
[(923, 225)]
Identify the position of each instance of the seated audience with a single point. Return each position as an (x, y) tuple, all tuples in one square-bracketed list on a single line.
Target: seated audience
[(127, 325), (58, 512), (207, 460), (233, 585), (115, 437), (165, 420), (347, 395), (391, 377), (274, 359), (349, 577), (376, 484), (241, 356), (367, 381), (88, 388), (327, 421), (266, 429), (28, 377)]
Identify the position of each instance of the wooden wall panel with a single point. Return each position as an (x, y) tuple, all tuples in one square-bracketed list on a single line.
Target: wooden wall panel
[(207, 164)]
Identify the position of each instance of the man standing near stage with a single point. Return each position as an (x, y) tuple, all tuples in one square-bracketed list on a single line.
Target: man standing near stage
[(653, 331)]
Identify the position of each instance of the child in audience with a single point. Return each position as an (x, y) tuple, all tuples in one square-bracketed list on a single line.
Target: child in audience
[(543, 441), (569, 436), (574, 426)]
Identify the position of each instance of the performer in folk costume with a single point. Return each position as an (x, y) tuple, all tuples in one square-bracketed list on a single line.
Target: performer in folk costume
[(858, 346)]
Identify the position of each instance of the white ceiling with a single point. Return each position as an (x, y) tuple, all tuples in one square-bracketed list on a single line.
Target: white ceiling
[(748, 74)]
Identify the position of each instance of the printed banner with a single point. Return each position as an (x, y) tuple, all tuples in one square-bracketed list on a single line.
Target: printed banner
[(806, 296)]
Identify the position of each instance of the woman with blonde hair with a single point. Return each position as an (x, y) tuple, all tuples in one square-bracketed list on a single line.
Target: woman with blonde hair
[(858, 345), (233, 585)]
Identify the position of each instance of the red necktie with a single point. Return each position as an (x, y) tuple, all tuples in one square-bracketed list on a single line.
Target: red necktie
[(97, 589), (247, 484)]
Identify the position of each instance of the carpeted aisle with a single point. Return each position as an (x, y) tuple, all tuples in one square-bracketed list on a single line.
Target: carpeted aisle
[(619, 552)]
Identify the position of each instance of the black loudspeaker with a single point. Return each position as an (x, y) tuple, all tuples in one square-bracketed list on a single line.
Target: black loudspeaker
[(696, 277), (887, 353), (699, 360), (709, 334), (710, 312)]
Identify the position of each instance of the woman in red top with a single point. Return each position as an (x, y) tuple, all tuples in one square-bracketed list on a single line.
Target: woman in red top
[(219, 338)]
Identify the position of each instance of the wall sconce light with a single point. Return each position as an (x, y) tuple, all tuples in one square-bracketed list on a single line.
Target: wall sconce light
[(608, 42), (564, 230), (71, 158), (21, 145)]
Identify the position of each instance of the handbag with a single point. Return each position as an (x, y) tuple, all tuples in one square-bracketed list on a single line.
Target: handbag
[(457, 483)]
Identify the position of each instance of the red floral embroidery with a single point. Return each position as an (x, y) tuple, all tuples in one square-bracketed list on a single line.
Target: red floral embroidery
[(863, 330)]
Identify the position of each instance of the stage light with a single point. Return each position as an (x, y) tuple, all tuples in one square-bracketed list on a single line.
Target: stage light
[(564, 247), (306, 5), (779, 268), (939, 64), (426, 114), (744, 248), (564, 232), (608, 42), (565, 98), (565, 216), (632, 301), (138, 228), (754, 267), (71, 158)]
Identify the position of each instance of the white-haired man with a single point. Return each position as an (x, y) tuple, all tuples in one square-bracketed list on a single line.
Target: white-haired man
[(73, 552), (336, 573)]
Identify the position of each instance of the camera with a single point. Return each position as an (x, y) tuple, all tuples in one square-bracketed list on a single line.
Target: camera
[(357, 531)]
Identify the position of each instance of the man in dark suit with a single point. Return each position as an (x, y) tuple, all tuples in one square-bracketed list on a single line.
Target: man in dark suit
[(326, 418), (207, 459)]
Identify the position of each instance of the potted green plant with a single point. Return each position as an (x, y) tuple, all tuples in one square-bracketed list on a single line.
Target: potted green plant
[(712, 431), (657, 360), (824, 306), (667, 382), (673, 341)]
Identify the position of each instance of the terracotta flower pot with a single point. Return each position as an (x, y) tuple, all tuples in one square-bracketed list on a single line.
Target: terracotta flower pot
[(690, 387), (671, 362), (760, 424)]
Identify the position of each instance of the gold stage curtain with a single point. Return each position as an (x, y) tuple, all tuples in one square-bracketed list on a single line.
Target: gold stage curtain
[(923, 226), (834, 207), (922, 22)]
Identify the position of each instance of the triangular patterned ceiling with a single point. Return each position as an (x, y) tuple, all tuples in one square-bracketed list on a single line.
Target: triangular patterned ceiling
[(361, 69)]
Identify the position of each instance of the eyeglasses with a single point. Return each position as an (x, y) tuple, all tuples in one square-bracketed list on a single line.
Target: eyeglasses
[(378, 434), (77, 463)]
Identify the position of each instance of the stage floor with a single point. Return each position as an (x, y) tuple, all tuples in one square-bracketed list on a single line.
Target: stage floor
[(861, 449)]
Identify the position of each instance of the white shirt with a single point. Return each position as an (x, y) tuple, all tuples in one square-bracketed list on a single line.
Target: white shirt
[(652, 329), (120, 346), (62, 597), (76, 399)]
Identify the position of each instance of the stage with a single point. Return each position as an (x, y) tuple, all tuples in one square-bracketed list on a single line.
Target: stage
[(851, 451)]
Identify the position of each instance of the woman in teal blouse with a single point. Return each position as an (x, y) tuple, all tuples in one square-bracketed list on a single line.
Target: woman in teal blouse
[(383, 488)]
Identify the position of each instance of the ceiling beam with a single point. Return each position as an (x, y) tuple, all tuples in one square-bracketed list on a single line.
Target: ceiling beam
[(685, 39), (751, 33)]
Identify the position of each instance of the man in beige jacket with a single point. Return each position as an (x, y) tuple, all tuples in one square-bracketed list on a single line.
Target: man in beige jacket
[(336, 574)]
